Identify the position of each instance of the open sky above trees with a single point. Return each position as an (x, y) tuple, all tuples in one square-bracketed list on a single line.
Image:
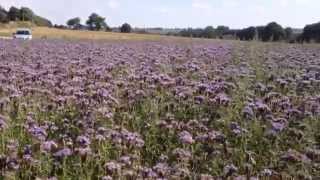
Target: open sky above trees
[(179, 13)]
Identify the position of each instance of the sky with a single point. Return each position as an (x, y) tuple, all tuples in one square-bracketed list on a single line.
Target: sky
[(178, 13)]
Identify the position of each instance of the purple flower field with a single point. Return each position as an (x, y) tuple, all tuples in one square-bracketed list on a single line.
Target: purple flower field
[(159, 110)]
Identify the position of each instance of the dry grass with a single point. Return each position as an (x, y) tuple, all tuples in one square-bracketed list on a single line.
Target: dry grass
[(52, 33)]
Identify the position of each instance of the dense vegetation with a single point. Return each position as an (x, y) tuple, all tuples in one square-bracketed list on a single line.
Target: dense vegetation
[(271, 32), (159, 110), (22, 14), (126, 28)]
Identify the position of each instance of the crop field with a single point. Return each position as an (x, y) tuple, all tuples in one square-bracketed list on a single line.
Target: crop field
[(159, 110)]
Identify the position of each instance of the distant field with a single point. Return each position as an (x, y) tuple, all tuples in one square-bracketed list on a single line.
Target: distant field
[(44, 32)]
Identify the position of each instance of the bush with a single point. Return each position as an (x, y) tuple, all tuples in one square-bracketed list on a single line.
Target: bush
[(126, 28)]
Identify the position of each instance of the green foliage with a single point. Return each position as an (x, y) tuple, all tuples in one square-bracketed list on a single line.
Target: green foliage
[(14, 14), (311, 32), (273, 32), (23, 14), (74, 22), (40, 21), (26, 14), (260, 30), (3, 15), (247, 33), (288, 32), (126, 28), (191, 32), (209, 32), (221, 30), (96, 22)]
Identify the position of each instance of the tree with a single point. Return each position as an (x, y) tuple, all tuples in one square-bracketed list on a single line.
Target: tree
[(126, 28), (260, 32), (247, 33), (273, 31), (26, 14), (96, 22), (209, 32), (311, 32), (198, 32), (14, 14), (74, 22), (3, 15), (288, 33), (221, 30)]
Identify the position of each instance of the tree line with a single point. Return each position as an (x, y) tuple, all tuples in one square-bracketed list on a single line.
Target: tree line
[(94, 22), (22, 14), (270, 32)]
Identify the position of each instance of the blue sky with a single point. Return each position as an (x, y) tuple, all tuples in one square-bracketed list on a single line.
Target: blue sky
[(179, 13)]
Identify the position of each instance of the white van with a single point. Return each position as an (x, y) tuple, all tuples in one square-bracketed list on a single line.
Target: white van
[(24, 34)]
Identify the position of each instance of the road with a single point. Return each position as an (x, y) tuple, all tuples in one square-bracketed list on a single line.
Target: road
[(5, 37)]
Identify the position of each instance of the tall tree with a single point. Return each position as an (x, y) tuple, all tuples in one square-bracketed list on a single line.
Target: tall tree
[(96, 22), (26, 14), (311, 32), (221, 30), (14, 14), (3, 15), (273, 31), (209, 32), (247, 33), (288, 33), (260, 32)]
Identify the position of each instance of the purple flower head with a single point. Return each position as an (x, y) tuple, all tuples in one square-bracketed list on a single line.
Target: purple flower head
[(148, 173), (113, 167), (83, 141), (48, 146), (229, 170), (261, 107), (38, 132), (248, 112), (162, 169), (199, 99), (125, 160), (236, 129), (185, 137), (182, 154), (279, 124), (13, 164), (27, 150), (65, 152), (222, 99)]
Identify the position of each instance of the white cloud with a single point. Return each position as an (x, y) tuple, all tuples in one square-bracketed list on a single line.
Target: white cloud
[(201, 4), (8, 3), (113, 4)]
